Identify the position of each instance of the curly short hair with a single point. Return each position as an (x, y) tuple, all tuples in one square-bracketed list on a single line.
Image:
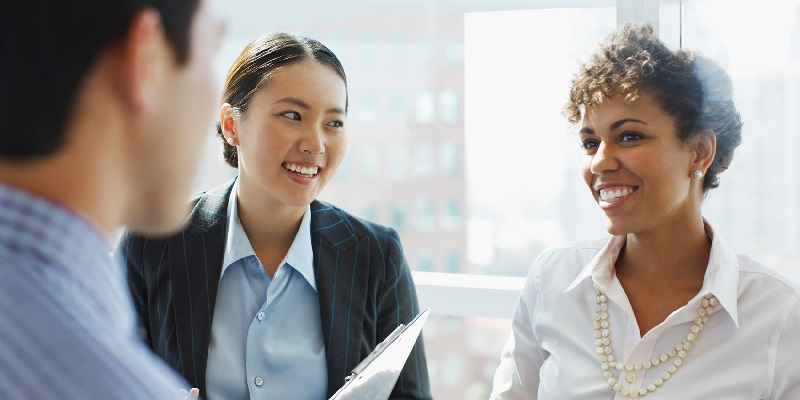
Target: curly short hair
[(690, 88)]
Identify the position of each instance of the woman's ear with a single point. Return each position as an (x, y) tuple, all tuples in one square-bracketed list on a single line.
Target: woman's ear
[(705, 147), (227, 122)]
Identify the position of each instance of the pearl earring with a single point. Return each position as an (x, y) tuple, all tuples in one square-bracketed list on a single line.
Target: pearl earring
[(698, 174), (230, 141)]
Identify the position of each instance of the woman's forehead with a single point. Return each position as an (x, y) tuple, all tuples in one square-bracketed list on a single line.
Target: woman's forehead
[(312, 83)]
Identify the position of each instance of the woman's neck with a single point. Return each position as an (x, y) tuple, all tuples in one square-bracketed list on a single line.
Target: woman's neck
[(270, 226), (662, 271), (674, 256)]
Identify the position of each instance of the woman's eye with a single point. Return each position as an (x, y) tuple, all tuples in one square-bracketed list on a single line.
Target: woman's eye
[(629, 137), (294, 116), (336, 124), (588, 144)]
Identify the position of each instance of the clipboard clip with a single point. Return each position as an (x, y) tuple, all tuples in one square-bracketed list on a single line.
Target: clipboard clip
[(375, 353)]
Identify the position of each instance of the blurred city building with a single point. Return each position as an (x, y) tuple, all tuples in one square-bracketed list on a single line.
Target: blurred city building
[(456, 140)]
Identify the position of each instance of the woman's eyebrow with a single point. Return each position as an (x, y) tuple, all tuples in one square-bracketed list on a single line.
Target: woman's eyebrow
[(302, 104), (292, 100), (335, 110), (619, 123)]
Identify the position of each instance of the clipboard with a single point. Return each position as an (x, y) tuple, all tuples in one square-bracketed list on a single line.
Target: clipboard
[(375, 376)]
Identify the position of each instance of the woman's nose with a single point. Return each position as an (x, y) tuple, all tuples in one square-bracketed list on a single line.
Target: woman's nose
[(313, 142), (603, 160)]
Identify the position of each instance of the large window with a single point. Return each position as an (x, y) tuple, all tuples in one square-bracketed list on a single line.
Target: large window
[(456, 139), (757, 206)]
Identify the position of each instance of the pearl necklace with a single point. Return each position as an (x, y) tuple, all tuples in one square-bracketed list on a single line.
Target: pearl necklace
[(677, 354)]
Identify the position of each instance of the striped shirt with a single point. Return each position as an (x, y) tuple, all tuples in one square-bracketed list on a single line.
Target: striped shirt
[(67, 327)]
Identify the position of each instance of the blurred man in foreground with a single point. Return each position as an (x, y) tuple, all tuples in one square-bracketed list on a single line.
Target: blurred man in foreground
[(103, 103)]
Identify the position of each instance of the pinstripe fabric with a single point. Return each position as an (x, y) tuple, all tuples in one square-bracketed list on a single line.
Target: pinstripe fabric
[(67, 328), (364, 284)]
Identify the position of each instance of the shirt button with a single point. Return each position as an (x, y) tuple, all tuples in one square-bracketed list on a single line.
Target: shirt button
[(631, 377), (260, 316), (259, 381)]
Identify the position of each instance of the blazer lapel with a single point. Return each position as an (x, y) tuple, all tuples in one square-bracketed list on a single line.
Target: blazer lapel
[(195, 258), (341, 266)]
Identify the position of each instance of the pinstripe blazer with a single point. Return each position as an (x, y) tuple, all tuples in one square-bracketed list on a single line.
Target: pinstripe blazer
[(364, 284)]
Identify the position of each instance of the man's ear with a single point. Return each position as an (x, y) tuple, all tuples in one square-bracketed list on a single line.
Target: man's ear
[(705, 149), (146, 56)]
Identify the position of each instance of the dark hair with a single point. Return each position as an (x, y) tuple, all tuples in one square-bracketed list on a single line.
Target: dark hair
[(48, 46), (254, 67), (692, 89)]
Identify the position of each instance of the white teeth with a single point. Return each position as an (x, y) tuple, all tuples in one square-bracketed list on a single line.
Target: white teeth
[(611, 196), (308, 171)]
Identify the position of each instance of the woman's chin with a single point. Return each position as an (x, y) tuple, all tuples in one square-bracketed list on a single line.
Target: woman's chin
[(300, 200), (615, 228)]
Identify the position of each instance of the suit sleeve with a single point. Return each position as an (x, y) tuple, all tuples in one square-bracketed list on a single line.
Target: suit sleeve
[(517, 377), (399, 305), (130, 250)]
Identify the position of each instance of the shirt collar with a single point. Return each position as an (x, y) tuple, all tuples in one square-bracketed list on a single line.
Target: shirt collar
[(721, 278), (237, 246), (601, 268), (301, 254), (722, 274)]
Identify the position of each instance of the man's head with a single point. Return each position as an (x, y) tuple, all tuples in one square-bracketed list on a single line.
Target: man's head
[(49, 46), (128, 78)]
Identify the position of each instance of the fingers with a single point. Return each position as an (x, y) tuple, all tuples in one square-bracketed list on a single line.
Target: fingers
[(192, 394)]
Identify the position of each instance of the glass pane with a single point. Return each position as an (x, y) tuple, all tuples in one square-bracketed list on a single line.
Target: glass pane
[(455, 139), (399, 217), (425, 218), (756, 205), (522, 157), (449, 158), (463, 353), (424, 163), (452, 109)]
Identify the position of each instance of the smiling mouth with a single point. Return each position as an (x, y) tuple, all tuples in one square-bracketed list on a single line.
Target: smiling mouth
[(611, 195), (305, 172)]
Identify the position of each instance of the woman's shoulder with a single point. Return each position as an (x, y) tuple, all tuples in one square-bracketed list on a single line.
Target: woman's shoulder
[(753, 274), (574, 253), (558, 266), (324, 214)]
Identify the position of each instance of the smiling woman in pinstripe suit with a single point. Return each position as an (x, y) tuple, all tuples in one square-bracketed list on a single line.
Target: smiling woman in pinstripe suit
[(269, 293)]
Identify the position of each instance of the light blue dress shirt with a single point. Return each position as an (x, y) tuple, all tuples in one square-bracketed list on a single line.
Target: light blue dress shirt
[(67, 323), (266, 334)]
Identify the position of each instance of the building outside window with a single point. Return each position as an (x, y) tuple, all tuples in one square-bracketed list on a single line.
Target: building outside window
[(455, 132)]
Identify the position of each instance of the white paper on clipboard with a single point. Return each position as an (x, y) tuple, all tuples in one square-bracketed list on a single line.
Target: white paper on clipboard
[(376, 376)]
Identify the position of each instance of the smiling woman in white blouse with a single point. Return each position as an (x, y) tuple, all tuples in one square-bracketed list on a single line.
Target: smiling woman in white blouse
[(664, 308)]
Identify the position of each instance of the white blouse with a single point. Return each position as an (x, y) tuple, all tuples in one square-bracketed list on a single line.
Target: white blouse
[(749, 348)]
